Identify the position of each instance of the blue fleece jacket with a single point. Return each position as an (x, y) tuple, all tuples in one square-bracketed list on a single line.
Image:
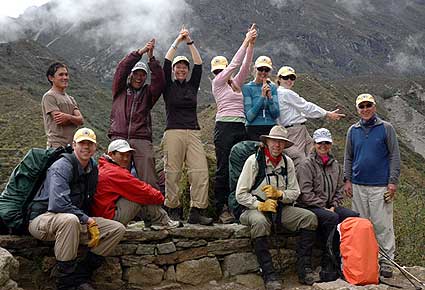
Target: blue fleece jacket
[(259, 110)]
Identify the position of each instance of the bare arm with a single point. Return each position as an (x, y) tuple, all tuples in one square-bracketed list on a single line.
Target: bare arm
[(61, 118)]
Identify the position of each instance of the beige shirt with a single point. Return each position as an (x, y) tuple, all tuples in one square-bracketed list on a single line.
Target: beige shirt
[(58, 135), (248, 198)]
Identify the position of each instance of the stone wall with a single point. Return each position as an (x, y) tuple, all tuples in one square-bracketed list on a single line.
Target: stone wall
[(190, 255)]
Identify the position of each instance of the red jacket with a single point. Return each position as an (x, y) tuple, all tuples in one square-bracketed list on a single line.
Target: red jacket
[(131, 110), (115, 182)]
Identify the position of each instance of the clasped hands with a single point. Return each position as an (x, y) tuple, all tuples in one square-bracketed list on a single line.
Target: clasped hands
[(272, 194)]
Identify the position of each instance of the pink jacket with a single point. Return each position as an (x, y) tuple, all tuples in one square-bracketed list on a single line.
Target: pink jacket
[(230, 103)]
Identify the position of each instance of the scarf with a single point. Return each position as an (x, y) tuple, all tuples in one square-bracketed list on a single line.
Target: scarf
[(274, 160)]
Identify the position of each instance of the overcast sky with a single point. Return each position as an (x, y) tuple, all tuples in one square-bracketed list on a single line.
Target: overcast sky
[(14, 8)]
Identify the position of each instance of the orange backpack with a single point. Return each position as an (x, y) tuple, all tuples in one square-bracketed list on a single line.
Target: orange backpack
[(359, 251)]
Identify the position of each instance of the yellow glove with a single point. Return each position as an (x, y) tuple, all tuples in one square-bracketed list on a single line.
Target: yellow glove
[(268, 205), (272, 192), (94, 235)]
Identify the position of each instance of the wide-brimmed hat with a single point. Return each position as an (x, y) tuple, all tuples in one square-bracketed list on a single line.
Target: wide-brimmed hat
[(278, 133)]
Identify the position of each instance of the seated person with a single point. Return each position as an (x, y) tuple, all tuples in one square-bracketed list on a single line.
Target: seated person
[(59, 213), (262, 201), (121, 196), (321, 182)]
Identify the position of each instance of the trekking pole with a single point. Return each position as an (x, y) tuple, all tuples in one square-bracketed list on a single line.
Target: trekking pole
[(403, 271)]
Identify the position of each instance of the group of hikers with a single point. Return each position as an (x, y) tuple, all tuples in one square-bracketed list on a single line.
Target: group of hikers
[(84, 202)]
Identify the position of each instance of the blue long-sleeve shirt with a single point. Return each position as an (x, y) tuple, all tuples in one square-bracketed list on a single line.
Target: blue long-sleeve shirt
[(372, 155), (259, 110)]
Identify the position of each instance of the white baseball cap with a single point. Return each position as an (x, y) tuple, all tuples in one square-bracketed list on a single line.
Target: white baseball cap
[(322, 135), (119, 145)]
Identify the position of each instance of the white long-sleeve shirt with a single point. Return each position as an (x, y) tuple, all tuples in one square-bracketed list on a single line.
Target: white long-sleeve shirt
[(295, 109)]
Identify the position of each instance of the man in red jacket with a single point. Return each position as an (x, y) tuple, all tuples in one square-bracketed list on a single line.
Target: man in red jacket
[(133, 100), (120, 196)]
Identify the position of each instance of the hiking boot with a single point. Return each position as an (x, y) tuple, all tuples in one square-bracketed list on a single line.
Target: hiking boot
[(226, 217), (195, 217), (167, 226), (176, 214), (307, 277), (385, 270)]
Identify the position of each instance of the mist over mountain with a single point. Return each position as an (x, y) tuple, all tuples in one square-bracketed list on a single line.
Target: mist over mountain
[(329, 38)]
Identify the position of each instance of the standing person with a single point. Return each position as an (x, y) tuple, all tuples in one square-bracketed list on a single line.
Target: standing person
[(260, 101), (230, 118), (181, 141), (321, 183), (121, 196), (61, 115), (371, 173), (259, 203), (294, 111), (59, 213), (133, 100)]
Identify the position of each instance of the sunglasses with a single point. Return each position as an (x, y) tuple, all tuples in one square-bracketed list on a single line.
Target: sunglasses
[(263, 69), (324, 143), (290, 77), (368, 105)]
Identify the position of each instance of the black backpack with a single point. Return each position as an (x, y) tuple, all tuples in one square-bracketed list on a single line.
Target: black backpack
[(238, 155), (24, 183)]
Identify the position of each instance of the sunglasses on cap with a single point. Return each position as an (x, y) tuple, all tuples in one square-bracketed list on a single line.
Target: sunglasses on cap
[(289, 77), (263, 69), (324, 143), (368, 105)]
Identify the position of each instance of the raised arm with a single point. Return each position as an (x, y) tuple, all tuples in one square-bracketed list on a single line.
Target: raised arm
[(240, 77)]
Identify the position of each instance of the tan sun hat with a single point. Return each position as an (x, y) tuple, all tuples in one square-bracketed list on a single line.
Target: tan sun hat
[(218, 62), (278, 133)]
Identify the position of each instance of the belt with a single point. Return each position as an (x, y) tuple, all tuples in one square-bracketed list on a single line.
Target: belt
[(293, 125)]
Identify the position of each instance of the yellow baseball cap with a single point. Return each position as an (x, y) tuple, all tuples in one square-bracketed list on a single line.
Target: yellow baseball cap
[(286, 71), (85, 134), (263, 61), (218, 62), (365, 98), (179, 59)]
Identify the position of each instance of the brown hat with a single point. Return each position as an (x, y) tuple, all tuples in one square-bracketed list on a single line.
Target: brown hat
[(278, 133)]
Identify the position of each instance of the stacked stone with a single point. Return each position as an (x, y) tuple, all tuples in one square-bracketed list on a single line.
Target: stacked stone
[(190, 255)]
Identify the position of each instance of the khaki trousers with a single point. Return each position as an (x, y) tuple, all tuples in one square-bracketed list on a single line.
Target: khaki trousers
[(67, 232), (185, 147), (369, 202), (303, 143), (127, 210), (293, 219)]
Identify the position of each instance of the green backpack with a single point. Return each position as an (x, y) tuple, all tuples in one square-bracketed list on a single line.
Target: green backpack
[(238, 155), (23, 185)]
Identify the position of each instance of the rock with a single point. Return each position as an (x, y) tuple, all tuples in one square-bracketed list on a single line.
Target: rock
[(124, 249), (343, 285), (224, 247), (203, 232), (241, 231), (166, 248), (284, 260), (17, 242), (144, 275), (240, 263), (170, 274), (250, 280), (190, 243), (172, 286), (181, 256), (144, 235), (131, 261), (47, 264), (10, 285), (108, 276), (145, 249), (195, 272), (8, 265)]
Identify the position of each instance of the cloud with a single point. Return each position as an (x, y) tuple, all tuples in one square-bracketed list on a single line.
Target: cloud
[(128, 23), (356, 7), (10, 30), (283, 3)]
